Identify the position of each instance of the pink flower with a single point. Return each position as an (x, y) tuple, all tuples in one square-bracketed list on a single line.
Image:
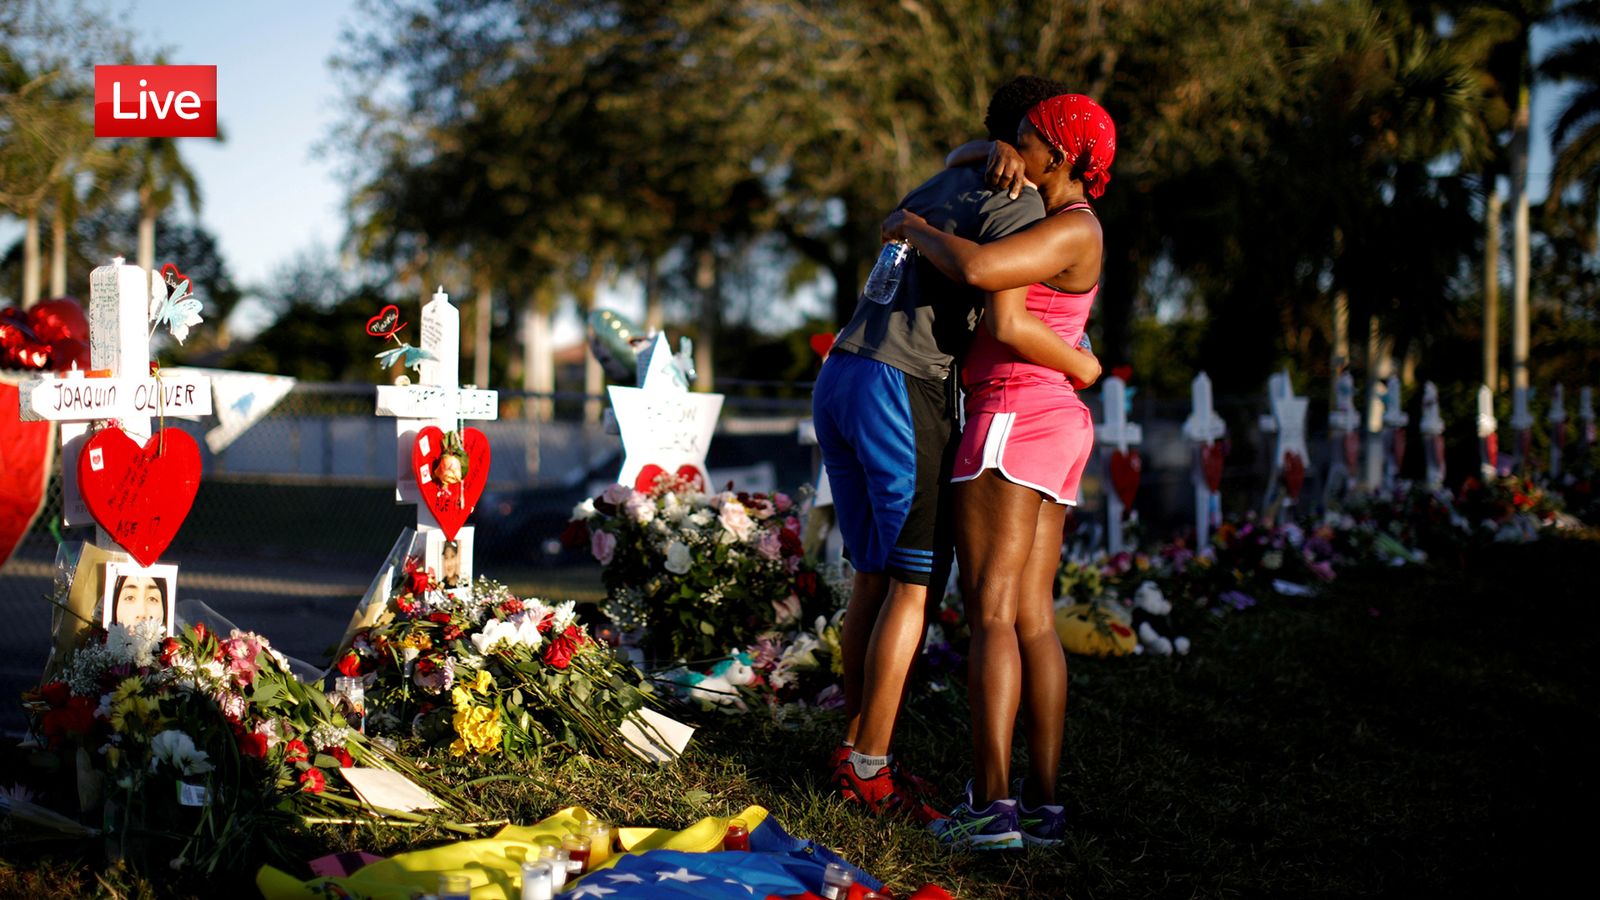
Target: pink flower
[(602, 544), (782, 502), (768, 546), (616, 494), (736, 520)]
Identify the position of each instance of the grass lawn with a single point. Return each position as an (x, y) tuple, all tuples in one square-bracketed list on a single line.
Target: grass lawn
[(1412, 733)]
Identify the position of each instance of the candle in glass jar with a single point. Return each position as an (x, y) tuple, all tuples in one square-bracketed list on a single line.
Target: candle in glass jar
[(737, 836)]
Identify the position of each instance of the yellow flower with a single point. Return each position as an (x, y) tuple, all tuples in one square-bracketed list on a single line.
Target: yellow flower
[(479, 730), (135, 716), (417, 640), (127, 688), (830, 640), (460, 697), (484, 682)]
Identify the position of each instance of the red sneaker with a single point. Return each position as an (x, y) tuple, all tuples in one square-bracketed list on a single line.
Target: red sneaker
[(913, 784), (882, 794), (839, 755)]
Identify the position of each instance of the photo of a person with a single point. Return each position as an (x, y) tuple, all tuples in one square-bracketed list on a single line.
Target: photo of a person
[(450, 565), (135, 594), (451, 560)]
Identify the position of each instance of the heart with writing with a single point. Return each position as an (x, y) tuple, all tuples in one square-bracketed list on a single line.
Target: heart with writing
[(450, 474), (1211, 457), (1125, 469), (385, 323), (687, 476), (140, 494), (173, 277), (1294, 474)]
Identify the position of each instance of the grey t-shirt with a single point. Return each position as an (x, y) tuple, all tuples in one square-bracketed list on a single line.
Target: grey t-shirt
[(930, 323)]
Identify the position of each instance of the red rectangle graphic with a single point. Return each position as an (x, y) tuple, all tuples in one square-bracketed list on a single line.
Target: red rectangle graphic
[(155, 101)]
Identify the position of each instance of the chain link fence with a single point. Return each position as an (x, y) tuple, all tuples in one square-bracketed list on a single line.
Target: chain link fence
[(294, 518)]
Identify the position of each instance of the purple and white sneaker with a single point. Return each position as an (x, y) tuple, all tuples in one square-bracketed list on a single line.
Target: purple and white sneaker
[(992, 828), (1042, 826)]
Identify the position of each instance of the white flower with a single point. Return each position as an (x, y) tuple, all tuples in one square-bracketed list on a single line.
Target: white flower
[(736, 520), (177, 749), (639, 508), (494, 633), (616, 494), (134, 645), (564, 615), (678, 559), (583, 511), (702, 518), (673, 509)]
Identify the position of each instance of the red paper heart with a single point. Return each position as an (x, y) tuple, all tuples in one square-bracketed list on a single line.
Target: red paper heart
[(822, 343), (385, 323), (1125, 469), (173, 278), (1294, 474), (1491, 449), (1352, 450), (1211, 456), (1399, 447), (450, 503), (687, 475), (27, 470), (140, 495)]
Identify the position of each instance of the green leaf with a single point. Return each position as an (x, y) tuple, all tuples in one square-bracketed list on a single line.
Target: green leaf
[(697, 797)]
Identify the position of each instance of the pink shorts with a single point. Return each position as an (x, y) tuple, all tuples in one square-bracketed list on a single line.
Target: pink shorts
[(1046, 450)]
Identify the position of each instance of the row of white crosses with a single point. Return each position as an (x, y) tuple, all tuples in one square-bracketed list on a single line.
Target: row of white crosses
[(119, 344), (438, 399)]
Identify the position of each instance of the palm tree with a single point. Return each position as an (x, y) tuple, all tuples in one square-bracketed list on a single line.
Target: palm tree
[(156, 173), (1576, 133)]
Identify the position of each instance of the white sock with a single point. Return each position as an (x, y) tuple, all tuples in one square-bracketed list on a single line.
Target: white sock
[(867, 766)]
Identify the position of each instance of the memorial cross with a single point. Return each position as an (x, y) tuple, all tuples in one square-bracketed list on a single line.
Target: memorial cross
[(1522, 426), (1395, 420), (121, 386), (1344, 434), (1432, 428), (438, 400), (1116, 435), (1205, 429), (1558, 429), (1488, 437), (1287, 420)]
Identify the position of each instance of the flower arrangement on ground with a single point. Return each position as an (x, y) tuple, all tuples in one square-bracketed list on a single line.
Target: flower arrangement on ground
[(199, 745), (697, 573), (483, 672)]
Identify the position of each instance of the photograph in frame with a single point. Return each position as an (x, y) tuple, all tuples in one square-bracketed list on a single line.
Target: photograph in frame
[(451, 561), (134, 592)]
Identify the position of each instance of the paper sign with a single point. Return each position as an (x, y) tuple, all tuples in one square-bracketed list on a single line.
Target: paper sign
[(383, 789), (654, 737), (193, 794)]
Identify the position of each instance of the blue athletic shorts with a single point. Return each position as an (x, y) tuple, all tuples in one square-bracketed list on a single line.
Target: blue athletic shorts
[(887, 440)]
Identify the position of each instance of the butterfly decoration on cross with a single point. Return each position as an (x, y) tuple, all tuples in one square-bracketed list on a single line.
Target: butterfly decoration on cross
[(384, 326), (173, 303)]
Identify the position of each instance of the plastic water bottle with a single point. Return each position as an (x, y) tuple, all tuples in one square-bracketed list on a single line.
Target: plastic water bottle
[(884, 282)]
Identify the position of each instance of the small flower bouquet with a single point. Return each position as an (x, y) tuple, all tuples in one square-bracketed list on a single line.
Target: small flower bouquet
[(200, 745), (484, 672), (698, 572)]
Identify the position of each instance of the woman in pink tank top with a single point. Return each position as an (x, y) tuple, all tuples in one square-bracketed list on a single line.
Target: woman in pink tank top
[(1027, 439)]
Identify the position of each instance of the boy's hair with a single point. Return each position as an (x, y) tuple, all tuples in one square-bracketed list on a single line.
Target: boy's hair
[(1012, 100)]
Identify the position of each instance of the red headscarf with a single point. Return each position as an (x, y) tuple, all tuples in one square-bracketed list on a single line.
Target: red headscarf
[(1080, 128)]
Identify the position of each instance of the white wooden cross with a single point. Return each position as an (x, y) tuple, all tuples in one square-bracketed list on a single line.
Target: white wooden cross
[(1344, 424), (119, 354), (1204, 428), (1432, 429), (1488, 439), (664, 426), (1522, 427), (1288, 421), (1395, 420), (1558, 429), (1586, 416), (438, 400), (1115, 435)]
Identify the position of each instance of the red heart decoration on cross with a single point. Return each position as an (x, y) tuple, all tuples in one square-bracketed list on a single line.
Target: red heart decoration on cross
[(140, 495), (1352, 450), (450, 490), (385, 323), (1491, 449), (1125, 469), (1398, 448), (1211, 456), (173, 278), (1294, 474), (25, 475)]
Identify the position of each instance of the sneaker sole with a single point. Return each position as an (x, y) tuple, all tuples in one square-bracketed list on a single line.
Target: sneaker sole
[(1005, 840), (1032, 841)]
